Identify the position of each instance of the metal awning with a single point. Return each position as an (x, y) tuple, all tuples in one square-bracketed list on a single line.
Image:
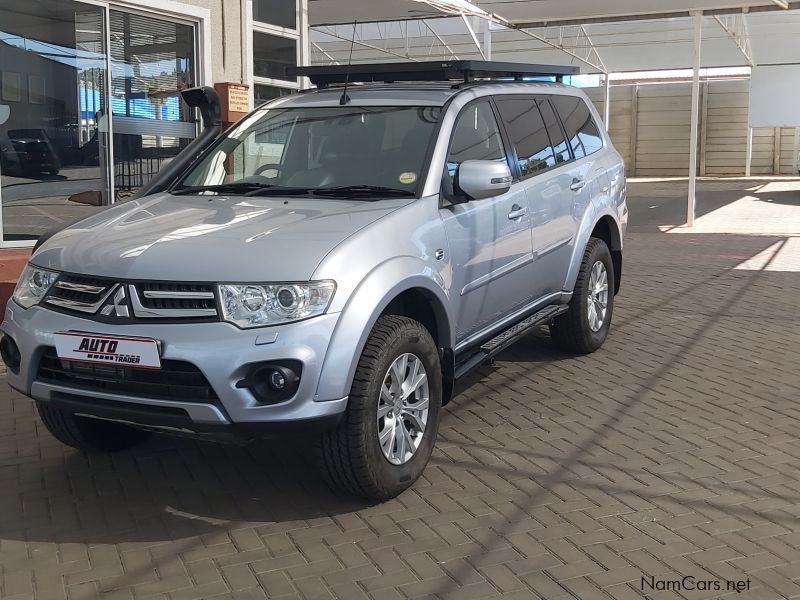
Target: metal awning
[(526, 12), (729, 40)]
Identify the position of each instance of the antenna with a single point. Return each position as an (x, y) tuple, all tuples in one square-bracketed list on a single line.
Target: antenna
[(345, 99)]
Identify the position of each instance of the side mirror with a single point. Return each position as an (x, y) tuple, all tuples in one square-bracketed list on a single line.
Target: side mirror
[(481, 179)]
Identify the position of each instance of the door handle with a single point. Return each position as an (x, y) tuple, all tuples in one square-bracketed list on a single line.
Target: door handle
[(577, 184), (517, 212)]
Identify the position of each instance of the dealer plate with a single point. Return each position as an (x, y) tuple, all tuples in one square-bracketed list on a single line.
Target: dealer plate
[(108, 349)]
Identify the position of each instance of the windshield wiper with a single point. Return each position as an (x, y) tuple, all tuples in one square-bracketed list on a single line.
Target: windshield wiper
[(244, 188), (278, 190), (369, 190), (236, 187), (253, 188)]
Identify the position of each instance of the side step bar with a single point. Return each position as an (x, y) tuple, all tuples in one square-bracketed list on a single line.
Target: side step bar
[(507, 337)]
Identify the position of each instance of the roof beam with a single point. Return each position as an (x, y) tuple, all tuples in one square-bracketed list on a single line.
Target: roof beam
[(597, 56), (365, 44), (736, 27), (441, 41), (325, 52), (474, 37), (597, 64)]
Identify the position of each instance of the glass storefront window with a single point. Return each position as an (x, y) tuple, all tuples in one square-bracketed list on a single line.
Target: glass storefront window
[(53, 102), (272, 55), (282, 13), (265, 93), (56, 109)]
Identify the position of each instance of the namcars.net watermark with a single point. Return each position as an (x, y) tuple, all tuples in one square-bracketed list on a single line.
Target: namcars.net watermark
[(689, 583)]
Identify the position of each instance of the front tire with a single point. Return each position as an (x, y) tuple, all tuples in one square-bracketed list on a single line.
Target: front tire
[(584, 327), (387, 434), (87, 434)]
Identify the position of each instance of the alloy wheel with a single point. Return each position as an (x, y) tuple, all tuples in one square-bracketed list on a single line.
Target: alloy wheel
[(403, 408), (597, 297)]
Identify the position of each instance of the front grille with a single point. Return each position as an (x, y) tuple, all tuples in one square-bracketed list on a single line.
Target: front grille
[(176, 380), (76, 292), (177, 296), (112, 300)]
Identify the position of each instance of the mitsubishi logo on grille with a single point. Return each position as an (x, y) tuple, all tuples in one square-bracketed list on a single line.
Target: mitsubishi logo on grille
[(117, 304)]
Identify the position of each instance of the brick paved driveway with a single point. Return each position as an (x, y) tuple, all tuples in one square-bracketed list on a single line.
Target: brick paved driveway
[(673, 451)]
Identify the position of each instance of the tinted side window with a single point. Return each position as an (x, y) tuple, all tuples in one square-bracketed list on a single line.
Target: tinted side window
[(555, 131), (582, 130), (528, 133), (476, 136)]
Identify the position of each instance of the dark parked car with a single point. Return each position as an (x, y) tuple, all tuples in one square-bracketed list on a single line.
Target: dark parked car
[(30, 152)]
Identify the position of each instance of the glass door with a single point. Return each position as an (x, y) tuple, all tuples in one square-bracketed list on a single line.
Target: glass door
[(152, 60), (54, 106)]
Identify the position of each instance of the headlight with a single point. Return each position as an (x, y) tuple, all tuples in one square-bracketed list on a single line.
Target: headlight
[(32, 286), (255, 305)]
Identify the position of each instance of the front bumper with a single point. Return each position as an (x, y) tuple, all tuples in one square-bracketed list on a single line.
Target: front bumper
[(222, 352)]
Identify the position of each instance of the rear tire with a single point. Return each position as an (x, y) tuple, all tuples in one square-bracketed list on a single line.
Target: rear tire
[(87, 434), (582, 329), (352, 457)]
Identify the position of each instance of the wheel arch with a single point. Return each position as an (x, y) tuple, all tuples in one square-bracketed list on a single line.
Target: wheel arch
[(606, 227), (607, 230), (421, 305), (401, 287)]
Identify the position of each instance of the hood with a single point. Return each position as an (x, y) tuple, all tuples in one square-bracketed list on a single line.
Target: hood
[(210, 238)]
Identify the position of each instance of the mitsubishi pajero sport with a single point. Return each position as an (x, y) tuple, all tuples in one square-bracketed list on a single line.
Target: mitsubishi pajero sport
[(331, 265)]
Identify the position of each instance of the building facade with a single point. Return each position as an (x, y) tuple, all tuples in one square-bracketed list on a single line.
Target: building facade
[(90, 103)]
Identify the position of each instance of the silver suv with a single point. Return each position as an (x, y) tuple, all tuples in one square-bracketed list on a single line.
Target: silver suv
[(332, 265)]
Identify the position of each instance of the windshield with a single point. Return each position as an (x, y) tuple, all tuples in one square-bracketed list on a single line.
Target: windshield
[(376, 151)]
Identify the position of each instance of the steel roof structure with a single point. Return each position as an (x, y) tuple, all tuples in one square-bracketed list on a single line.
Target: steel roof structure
[(527, 13), (738, 38)]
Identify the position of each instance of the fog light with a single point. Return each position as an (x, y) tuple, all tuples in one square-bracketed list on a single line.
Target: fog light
[(277, 381), (273, 382), (9, 352)]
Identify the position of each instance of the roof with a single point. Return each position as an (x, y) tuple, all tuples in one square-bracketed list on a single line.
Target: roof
[(597, 36), (534, 13)]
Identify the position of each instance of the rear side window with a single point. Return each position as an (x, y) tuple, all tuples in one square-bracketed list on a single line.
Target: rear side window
[(554, 130), (582, 131), (476, 136), (528, 133)]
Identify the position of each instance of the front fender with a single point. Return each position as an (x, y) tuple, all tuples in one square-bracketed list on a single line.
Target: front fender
[(365, 305), (590, 219)]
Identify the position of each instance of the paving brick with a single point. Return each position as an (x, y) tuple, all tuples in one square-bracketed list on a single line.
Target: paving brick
[(671, 451)]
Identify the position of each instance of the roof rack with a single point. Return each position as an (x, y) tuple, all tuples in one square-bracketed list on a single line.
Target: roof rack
[(456, 70)]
